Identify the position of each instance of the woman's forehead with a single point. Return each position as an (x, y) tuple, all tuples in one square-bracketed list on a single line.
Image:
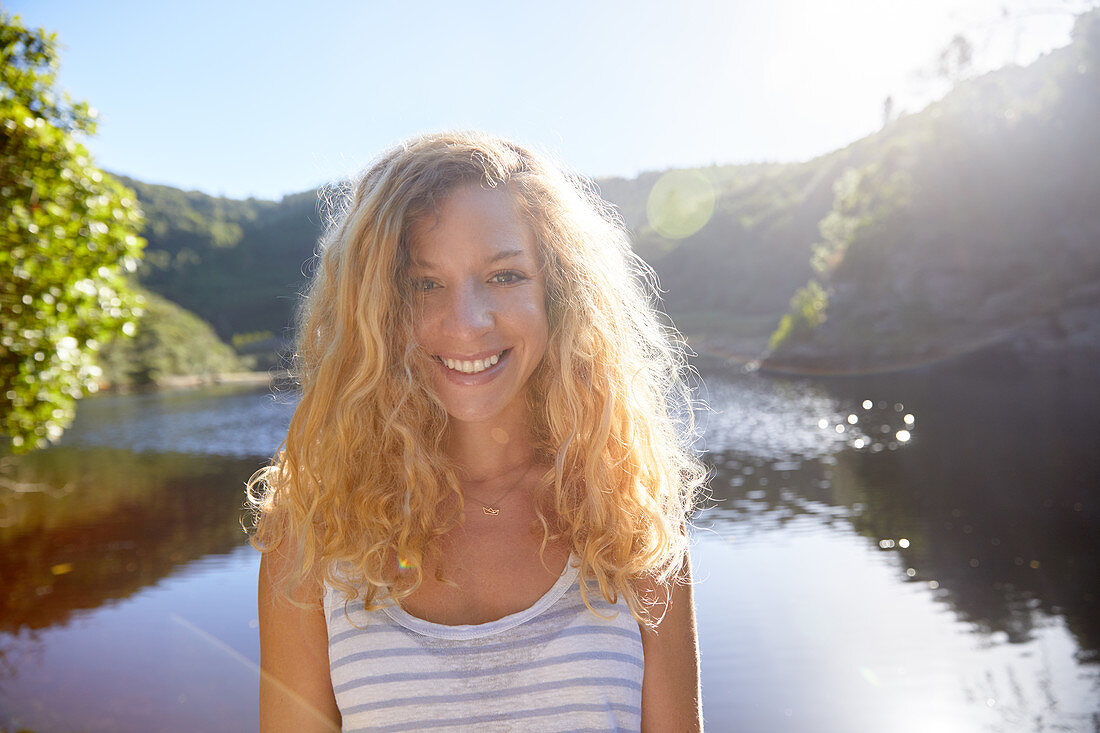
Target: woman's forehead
[(481, 221)]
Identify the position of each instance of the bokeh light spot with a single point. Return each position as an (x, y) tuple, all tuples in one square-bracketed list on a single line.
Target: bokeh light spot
[(680, 203), (869, 674)]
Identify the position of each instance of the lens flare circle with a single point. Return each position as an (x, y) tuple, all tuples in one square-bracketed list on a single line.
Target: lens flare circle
[(680, 203)]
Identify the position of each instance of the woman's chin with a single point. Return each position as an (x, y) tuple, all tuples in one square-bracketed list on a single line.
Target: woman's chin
[(484, 412)]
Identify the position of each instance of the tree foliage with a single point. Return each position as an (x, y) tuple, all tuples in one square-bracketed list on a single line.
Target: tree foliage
[(235, 264), (67, 242), (807, 312), (863, 200)]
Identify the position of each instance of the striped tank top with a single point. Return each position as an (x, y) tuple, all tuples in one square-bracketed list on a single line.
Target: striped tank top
[(553, 667)]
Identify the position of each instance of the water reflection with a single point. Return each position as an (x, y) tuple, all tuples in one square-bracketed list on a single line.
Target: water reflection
[(985, 506), (110, 560), (997, 491), (988, 510), (122, 521), (179, 655)]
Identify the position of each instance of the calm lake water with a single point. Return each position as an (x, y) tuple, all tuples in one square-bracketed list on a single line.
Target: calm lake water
[(907, 552)]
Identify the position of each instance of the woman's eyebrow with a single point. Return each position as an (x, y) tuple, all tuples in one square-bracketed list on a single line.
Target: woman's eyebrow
[(502, 255), (506, 254)]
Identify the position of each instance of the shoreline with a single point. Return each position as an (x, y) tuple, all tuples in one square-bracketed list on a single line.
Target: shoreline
[(193, 381)]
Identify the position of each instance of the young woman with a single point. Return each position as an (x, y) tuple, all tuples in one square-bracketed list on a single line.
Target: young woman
[(478, 518)]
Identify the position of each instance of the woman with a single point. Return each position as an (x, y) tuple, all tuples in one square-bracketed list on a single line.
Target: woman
[(478, 516)]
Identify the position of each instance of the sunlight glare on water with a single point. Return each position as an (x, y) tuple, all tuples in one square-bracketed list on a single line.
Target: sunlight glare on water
[(796, 419)]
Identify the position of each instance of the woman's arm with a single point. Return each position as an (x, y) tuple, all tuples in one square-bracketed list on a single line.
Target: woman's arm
[(670, 686), (295, 687)]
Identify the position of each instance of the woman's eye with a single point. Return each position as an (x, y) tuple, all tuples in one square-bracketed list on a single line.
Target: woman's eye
[(508, 277), (424, 285)]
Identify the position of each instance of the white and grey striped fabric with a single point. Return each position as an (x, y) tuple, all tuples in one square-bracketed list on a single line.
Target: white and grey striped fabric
[(554, 667)]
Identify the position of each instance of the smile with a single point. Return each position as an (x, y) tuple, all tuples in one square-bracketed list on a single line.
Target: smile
[(471, 367)]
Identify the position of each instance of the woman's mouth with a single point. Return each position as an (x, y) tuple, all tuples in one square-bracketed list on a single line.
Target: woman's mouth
[(475, 366)]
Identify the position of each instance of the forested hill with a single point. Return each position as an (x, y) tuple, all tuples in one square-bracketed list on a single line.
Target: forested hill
[(974, 225), (236, 264), (967, 223)]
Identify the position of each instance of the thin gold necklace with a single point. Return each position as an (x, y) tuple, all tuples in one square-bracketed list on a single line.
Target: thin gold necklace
[(492, 509)]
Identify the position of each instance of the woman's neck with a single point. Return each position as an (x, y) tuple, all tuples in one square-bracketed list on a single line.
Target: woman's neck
[(489, 450)]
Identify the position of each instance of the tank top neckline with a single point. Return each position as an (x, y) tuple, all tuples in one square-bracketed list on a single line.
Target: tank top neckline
[(473, 631)]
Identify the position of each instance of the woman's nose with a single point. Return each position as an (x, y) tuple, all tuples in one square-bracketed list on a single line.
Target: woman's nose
[(471, 312)]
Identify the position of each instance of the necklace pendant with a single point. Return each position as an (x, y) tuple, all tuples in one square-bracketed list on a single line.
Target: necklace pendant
[(492, 511)]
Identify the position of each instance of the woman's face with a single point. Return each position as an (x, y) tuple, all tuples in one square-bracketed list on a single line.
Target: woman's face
[(481, 312)]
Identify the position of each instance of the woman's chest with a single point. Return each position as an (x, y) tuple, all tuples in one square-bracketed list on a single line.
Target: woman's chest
[(481, 579)]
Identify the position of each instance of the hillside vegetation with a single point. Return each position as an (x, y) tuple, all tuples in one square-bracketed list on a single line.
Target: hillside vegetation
[(236, 264), (972, 222), (169, 341)]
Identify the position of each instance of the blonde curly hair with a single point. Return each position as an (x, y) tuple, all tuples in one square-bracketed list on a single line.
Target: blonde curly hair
[(361, 482)]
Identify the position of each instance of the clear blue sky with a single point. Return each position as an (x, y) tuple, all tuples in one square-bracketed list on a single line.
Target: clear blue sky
[(272, 98)]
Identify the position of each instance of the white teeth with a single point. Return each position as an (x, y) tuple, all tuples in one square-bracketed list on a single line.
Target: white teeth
[(471, 367)]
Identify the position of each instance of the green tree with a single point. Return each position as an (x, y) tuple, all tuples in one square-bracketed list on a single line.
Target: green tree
[(68, 240), (864, 200)]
